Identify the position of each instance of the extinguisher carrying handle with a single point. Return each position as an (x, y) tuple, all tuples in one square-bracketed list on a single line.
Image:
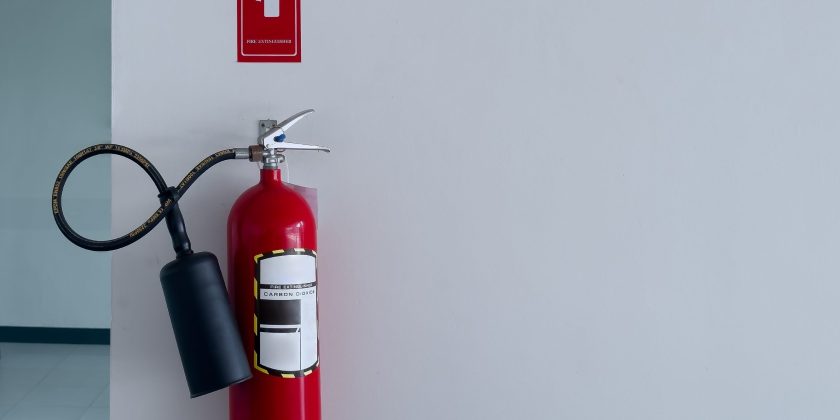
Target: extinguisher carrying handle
[(275, 136), (169, 197)]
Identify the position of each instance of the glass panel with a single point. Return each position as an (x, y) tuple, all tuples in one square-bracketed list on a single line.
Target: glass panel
[(55, 98)]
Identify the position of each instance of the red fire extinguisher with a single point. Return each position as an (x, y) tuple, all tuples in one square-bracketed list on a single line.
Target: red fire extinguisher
[(272, 254), (272, 366)]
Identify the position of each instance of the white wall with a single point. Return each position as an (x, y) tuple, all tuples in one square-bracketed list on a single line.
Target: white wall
[(534, 209), (55, 98)]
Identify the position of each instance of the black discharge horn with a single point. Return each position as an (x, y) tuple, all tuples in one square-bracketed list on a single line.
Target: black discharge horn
[(209, 343)]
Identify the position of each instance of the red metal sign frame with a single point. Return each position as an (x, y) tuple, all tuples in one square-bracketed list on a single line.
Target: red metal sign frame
[(268, 31)]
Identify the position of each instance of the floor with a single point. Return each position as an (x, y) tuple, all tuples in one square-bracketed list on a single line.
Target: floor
[(53, 382)]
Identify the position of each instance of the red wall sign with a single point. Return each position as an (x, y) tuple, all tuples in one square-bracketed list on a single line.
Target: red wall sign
[(268, 31)]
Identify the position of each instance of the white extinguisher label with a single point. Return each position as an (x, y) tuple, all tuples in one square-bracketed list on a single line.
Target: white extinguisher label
[(286, 313)]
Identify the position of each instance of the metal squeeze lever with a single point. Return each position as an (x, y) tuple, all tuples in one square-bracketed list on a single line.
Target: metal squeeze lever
[(272, 142)]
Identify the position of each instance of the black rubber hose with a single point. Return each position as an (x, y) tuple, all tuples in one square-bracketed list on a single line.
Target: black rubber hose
[(169, 196)]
